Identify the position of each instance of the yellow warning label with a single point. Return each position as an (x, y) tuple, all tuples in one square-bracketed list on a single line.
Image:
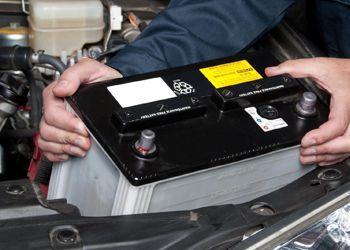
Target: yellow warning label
[(230, 74)]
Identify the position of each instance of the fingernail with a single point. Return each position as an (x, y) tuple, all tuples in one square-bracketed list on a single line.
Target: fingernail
[(63, 157), (80, 128), (80, 142), (62, 84), (274, 68), (309, 159), (309, 143), (310, 151), (77, 152)]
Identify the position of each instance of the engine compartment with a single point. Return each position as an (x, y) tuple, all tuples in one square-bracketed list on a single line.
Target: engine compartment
[(27, 76), (19, 29)]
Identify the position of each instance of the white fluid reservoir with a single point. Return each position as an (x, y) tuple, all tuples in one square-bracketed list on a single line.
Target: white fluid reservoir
[(64, 25)]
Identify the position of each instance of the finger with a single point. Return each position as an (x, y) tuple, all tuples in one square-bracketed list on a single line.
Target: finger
[(56, 158), (53, 134), (333, 128), (85, 71), (331, 157), (62, 120), (65, 121), (64, 139), (308, 151), (320, 69), (322, 158), (56, 115), (339, 145), (325, 163), (299, 68), (60, 149)]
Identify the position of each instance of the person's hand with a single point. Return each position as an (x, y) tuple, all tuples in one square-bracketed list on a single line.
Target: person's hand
[(61, 133), (330, 143)]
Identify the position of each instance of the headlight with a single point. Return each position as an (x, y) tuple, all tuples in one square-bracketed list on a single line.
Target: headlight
[(332, 232)]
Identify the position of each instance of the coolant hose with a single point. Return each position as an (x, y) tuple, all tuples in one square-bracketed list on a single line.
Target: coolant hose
[(53, 61)]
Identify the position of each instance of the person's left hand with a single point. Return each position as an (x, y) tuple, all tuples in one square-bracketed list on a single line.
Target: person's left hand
[(62, 134), (330, 143)]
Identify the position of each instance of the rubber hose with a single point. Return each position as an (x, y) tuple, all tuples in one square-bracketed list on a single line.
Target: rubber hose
[(53, 61), (35, 98)]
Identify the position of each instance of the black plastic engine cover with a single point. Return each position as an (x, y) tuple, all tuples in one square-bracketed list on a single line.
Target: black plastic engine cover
[(204, 123)]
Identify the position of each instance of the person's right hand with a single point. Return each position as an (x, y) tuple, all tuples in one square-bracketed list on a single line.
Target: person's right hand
[(330, 143), (61, 133)]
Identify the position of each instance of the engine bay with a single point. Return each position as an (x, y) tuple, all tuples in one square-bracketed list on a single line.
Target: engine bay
[(18, 29), (39, 39)]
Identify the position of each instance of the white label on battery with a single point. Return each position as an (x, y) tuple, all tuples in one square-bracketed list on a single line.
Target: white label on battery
[(140, 92), (265, 124)]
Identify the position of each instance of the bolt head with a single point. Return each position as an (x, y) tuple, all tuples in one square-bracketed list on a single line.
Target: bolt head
[(15, 189)]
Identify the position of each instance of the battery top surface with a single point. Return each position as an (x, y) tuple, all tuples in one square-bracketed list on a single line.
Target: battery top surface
[(200, 116)]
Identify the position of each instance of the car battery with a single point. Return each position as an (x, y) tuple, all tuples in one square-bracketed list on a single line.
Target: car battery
[(206, 134)]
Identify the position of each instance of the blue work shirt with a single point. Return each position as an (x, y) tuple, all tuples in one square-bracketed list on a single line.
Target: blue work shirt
[(189, 31)]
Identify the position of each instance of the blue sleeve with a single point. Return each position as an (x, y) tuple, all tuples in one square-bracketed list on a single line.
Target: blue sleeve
[(190, 31)]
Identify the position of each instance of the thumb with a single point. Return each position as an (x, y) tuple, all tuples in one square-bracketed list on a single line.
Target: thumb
[(299, 68), (64, 88), (84, 72)]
